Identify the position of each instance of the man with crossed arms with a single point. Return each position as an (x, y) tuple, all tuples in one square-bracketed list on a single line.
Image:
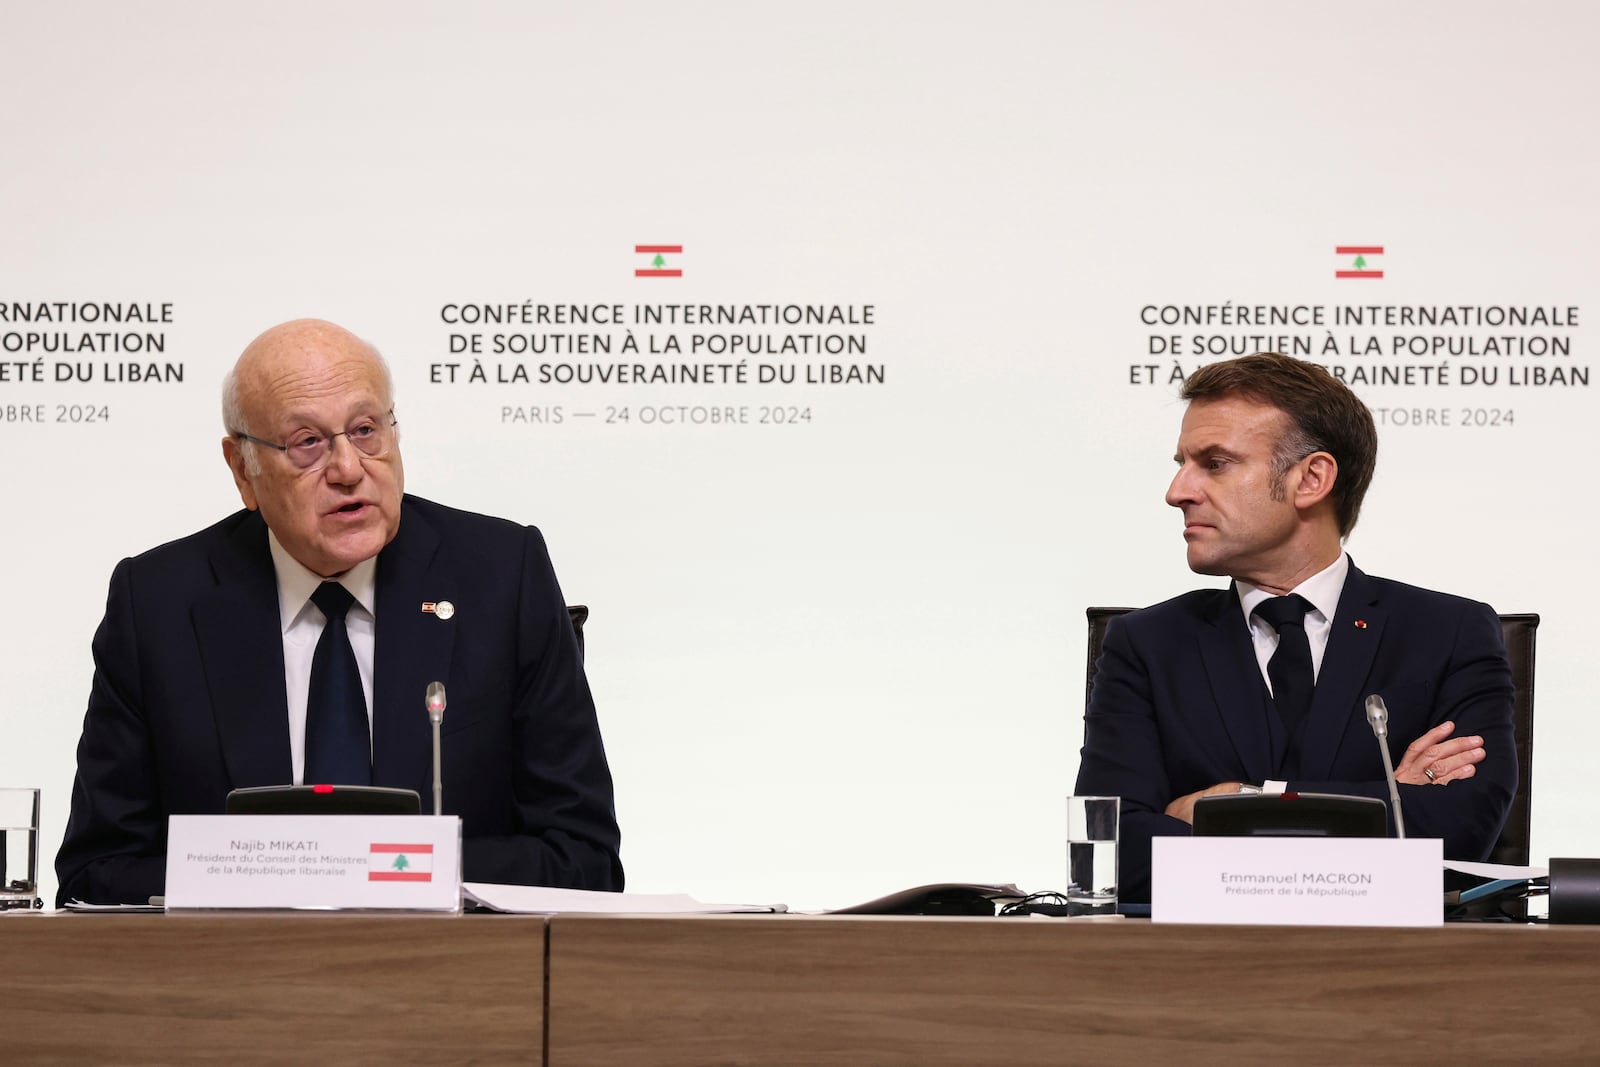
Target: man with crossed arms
[(1191, 696)]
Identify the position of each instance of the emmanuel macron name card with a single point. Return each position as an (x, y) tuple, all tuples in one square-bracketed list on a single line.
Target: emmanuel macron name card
[(1298, 881), (314, 861)]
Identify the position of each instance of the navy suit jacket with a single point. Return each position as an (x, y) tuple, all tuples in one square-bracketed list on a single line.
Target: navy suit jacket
[(188, 702), (1179, 705)]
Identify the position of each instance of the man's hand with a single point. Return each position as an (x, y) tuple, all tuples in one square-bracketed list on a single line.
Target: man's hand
[(1447, 758), (1183, 807)]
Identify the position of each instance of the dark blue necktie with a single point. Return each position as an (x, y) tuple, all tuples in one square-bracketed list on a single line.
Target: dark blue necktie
[(338, 748), (1290, 666)]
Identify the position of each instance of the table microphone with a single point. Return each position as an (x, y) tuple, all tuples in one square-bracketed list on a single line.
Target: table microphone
[(1378, 717), (435, 703)]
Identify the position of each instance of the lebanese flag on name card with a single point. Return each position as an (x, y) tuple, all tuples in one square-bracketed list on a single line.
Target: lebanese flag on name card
[(400, 863)]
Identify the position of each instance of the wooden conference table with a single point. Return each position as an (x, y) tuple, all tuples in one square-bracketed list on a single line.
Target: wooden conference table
[(585, 990)]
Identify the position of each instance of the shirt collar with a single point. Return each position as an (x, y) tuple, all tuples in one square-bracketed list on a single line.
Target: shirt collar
[(1321, 589), (296, 583)]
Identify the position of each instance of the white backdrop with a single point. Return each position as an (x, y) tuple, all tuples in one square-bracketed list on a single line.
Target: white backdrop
[(840, 656)]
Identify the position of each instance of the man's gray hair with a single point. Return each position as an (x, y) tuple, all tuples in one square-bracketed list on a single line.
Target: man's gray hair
[(233, 421)]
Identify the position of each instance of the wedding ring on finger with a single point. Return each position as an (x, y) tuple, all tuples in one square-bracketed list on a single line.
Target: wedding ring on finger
[(1429, 773)]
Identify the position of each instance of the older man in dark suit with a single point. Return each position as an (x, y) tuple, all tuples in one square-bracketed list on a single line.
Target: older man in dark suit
[(1261, 685), (292, 643)]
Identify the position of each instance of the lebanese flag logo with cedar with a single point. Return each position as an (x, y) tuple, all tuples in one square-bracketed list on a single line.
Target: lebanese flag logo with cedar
[(656, 263), (400, 863), (1361, 266)]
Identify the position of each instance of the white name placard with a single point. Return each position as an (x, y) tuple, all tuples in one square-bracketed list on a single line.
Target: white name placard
[(314, 861), (1297, 881)]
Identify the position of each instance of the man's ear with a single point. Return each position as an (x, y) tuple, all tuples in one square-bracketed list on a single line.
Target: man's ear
[(1317, 474), (233, 454)]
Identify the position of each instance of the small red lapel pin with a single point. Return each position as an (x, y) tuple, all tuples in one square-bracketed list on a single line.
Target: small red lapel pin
[(1361, 624)]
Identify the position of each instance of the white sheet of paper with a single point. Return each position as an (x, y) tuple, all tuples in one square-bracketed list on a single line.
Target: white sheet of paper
[(1496, 871), (541, 900)]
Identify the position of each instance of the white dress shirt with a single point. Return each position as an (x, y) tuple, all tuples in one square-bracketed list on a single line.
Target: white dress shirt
[(1321, 590), (302, 623)]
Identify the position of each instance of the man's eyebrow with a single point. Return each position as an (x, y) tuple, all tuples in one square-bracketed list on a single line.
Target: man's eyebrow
[(1200, 453)]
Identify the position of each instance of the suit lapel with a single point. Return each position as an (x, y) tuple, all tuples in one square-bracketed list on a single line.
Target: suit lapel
[(413, 648), (1358, 625), (1235, 677), (240, 637)]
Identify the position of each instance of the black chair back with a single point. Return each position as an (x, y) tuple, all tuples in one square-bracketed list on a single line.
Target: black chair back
[(1512, 847), (579, 614)]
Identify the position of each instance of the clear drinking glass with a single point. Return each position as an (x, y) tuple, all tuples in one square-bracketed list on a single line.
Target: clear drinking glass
[(19, 849), (1092, 824)]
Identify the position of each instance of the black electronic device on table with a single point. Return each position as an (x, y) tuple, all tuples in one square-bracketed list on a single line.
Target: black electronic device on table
[(1290, 815), (323, 800)]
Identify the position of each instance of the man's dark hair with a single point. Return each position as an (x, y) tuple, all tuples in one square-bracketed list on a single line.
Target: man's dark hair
[(1324, 416)]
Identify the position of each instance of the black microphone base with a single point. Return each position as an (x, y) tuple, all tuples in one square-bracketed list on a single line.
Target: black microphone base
[(1575, 891)]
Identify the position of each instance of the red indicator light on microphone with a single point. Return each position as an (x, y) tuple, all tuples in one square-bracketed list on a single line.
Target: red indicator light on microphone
[(322, 789)]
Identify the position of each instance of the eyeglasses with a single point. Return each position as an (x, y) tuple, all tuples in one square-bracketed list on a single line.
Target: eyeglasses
[(370, 436)]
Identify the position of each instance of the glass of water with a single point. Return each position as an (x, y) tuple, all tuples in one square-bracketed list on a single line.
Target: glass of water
[(19, 849), (1092, 855)]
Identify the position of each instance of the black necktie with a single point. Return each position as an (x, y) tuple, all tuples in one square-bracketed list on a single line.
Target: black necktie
[(338, 749), (1290, 666)]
